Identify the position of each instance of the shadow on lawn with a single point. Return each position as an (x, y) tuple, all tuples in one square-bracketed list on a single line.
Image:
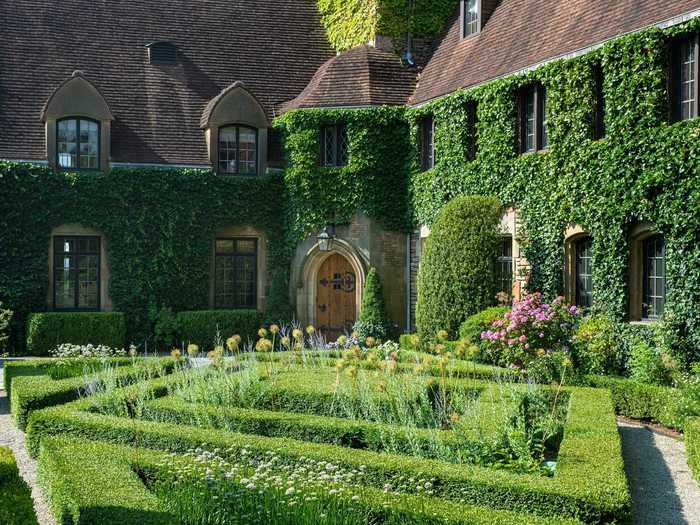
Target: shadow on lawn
[(652, 486)]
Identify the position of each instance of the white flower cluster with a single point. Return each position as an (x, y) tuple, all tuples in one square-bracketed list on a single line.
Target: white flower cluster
[(388, 347), (70, 351)]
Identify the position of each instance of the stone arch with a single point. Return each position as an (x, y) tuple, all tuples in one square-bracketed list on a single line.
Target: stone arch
[(77, 97), (307, 281)]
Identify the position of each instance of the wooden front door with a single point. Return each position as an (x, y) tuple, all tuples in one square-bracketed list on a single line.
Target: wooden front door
[(336, 285)]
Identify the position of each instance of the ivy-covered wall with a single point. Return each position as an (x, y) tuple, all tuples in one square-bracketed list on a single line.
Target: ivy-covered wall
[(350, 23), (644, 170)]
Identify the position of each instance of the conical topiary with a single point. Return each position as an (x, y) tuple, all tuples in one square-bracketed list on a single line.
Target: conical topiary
[(373, 321)]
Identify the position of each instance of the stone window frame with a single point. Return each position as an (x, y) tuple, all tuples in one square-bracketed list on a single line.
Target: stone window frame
[(235, 106), (638, 235), (79, 230), (690, 42), (261, 271), (77, 98)]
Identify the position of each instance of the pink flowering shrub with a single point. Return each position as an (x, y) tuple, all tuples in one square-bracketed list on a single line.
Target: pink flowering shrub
[(533, 335)]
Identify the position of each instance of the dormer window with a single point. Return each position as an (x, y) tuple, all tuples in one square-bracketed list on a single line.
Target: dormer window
[(471, 23), (238, 150)]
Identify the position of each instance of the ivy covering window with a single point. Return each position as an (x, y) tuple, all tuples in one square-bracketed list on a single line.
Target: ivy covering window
[(471, 145), (684, 78), (533, 119), (504, 267), (238, 150), (654, 254), (427, 136), (598, 103), (334, 145), (236, 262), (76, 273), (470, 17), (584, 272), (77, 144)]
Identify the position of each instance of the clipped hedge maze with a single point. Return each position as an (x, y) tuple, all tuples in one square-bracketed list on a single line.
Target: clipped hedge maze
[(589, 485)]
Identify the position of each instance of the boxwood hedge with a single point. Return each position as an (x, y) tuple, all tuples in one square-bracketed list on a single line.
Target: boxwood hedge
[(692, 445), (97, 483), (34, 392), (16, 505), (47, 330), (201, 327), (590, 483)]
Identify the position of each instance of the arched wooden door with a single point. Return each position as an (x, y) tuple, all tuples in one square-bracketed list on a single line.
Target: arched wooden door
[(335, 297)]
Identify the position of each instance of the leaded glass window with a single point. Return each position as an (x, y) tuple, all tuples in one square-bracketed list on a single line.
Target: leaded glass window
[(654, 275), (427, 133), (334, 145), (238, 150), (236, 262), (76, 273), (470, 17), (584, 272), (504, 267), (77, 144)]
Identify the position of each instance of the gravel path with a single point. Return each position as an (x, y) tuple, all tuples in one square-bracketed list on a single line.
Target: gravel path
[(11, 437), (663, 489)]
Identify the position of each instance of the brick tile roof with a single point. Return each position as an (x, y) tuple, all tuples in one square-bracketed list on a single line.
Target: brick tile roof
[(362, 76), (521, 33), (273, 47)]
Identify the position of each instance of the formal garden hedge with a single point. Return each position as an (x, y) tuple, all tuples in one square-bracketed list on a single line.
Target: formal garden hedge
[(17, 507), (202, 327), (71, 470), (692, 446), (47, 330), (590, 483)]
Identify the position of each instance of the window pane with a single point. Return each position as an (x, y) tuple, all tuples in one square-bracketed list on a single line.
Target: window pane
[(584, 272), (224, 246), (89, 135), (329, 146), (247, 151), (76, 272), (545, 132), (342, 146), (228, 150), (67, 143), (235, 273), (687, 87), (471, 17), (245, 281), (504, 267), (64, 281), (529, 120), (224, 281), (245, 245), (88, 273), (654, 277)]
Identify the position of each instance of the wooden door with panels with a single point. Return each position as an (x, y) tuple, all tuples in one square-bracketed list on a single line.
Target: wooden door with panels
[(336, 289)]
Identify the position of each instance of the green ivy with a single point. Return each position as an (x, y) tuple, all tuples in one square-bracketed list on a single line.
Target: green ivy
[(350, 23), (644, 170)]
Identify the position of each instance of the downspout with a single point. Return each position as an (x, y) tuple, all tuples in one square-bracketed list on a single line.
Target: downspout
[(408, 54)]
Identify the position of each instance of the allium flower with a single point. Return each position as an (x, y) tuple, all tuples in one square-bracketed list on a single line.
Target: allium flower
[(262, 332), (192, 349), (274, 329), (310, 329)]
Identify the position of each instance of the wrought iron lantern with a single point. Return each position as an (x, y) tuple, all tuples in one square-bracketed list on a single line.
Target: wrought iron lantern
[(325, 240)]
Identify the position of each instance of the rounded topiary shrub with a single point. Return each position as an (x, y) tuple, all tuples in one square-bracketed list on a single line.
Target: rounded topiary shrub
[(374, 320), (456, 277), (472, 328)]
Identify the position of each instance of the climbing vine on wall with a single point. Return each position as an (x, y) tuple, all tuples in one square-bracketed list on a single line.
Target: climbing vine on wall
[(644, 170)]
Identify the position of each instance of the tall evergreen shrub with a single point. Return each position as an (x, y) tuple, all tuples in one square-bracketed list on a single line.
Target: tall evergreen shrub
[(374, 320), (456, 277)]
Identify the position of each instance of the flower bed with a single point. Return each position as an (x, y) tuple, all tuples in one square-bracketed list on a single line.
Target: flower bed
[(33, 392), (589, 483), (92, 482)]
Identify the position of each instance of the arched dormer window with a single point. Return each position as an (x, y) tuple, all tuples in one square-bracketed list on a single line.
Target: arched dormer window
[(238, 150), (78, 124), (78, 144), (236, 129)]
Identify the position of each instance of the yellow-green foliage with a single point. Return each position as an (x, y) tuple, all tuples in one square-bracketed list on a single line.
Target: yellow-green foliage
[(349, 23)]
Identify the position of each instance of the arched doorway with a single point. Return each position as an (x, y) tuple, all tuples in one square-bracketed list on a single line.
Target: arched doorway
[(336, 297)]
